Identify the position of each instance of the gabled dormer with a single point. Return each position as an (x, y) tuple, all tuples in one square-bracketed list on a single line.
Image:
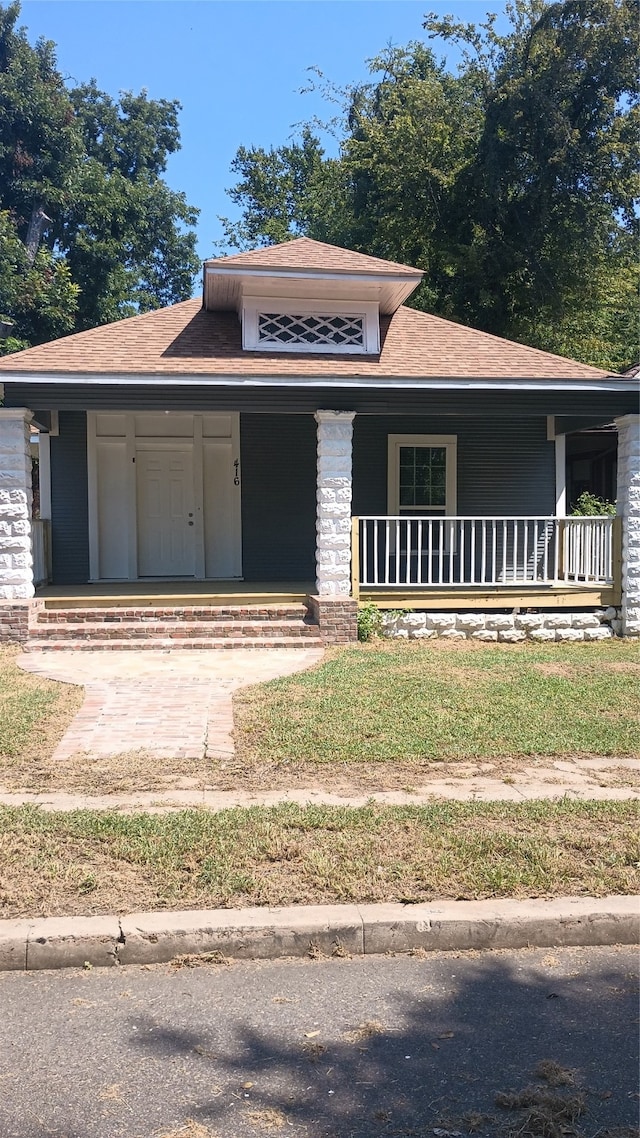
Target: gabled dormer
[(307, 296)]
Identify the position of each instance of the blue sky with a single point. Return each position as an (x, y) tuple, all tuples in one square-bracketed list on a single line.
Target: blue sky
[(235, 65)]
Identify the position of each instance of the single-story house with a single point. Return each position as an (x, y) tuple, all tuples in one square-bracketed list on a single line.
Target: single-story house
[(298, 436)]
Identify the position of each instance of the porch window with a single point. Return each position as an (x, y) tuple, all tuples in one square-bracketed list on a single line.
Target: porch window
[(422, 475)]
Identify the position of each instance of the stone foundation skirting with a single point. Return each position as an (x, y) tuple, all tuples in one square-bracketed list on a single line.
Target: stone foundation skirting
[(506, 628), (14, 621), (336, 617)]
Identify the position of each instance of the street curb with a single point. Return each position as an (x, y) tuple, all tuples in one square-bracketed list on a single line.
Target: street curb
[(329, 930)]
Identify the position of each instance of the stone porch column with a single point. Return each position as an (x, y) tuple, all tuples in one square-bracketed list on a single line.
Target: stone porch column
[(16, 564), (333, 516), (629, 509)]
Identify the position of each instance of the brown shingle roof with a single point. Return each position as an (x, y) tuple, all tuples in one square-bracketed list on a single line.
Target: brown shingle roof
[(317, 256), (185, 340)]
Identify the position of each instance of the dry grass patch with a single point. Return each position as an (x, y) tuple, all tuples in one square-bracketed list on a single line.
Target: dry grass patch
[(133, 771), (189, 1129), (364, 1031), (34, 713), (269, 1118), (99, 862)]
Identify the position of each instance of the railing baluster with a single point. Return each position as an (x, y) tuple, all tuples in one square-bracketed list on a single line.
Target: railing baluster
[(461, 557), (472, 551), (525, 549), (419, 580), (494, 551), (515, 550), (546, 553), (440, 552), (407, 572), (483, 562), (430, 551)]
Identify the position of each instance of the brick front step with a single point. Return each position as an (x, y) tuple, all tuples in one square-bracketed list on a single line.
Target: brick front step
[(147, 615), (173, 630), (209, 643)]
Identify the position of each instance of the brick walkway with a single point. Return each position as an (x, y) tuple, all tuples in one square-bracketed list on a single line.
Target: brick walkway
[(171, 704)]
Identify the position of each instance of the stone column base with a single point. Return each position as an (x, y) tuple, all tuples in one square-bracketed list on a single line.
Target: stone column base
[(14, 621), (336, 617)]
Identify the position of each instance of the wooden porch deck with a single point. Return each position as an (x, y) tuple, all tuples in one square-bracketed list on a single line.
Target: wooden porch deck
[(498, 597)]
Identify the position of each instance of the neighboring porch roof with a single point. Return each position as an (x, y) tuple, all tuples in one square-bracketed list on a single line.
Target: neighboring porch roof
[(185, 340)]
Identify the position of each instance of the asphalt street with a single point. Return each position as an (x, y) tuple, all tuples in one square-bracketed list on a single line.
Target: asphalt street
[(335, 1048)]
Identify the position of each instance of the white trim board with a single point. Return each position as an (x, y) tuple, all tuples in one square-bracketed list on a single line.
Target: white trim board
[(387, 383), (450, 445)]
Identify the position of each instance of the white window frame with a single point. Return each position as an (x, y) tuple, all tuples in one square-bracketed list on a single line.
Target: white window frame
[(450, 443), (288, 306)]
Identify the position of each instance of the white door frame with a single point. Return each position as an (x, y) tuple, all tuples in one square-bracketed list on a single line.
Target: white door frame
[(131, 444)]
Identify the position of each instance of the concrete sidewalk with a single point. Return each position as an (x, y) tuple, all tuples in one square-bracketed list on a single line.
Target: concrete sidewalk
[(312, 930), (580, 779)]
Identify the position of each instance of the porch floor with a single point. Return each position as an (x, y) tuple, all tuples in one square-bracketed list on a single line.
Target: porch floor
[(161, 593), (496, 597)]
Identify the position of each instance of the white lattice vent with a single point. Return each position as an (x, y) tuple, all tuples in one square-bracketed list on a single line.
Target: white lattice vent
[(310, 329)]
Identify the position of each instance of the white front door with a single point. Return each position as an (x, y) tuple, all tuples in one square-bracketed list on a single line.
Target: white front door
[(165, 509)]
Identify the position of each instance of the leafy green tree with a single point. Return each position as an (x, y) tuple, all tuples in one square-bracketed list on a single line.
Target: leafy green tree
[(38, 297), (512, 182), (90, 230)]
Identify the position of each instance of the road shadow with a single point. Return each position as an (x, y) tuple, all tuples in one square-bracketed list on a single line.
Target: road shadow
[(478, 1027)]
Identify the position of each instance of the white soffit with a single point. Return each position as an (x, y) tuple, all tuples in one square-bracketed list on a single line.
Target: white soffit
[(224, 289)]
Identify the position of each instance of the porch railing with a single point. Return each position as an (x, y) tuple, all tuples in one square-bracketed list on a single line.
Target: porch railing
[(424, 552), (40, 550)]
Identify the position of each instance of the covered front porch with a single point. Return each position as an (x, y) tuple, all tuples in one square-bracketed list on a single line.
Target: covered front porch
[(303, 491)]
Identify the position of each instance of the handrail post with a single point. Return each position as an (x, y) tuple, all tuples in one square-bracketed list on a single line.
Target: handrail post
[(355, 558), (616, 559)]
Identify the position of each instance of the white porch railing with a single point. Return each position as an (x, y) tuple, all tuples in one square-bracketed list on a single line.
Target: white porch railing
[(40, 546), (423, 552)]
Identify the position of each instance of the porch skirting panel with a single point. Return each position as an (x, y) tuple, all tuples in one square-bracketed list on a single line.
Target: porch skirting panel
[(506, 628)]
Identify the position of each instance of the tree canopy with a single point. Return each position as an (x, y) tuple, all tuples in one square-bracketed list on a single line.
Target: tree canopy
[(512, 181), (89, 229)]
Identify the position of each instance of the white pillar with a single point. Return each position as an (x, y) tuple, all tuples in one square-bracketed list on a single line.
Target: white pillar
[(16, 562), (333, 516), (628, 506)]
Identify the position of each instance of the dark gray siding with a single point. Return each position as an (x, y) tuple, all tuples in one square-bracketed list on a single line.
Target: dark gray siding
[(600, 406), (69, 511), (278, 497), (504, 467)]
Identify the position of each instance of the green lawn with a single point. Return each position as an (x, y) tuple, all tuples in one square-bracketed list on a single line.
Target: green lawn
[(411, 703), (90, 862)]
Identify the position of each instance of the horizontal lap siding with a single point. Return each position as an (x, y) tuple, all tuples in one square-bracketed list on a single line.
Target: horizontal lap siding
[(278, 497), (69, 500), (300, 400), (505, 467)]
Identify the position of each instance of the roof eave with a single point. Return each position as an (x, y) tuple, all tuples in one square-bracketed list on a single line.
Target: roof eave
[(390, 382)]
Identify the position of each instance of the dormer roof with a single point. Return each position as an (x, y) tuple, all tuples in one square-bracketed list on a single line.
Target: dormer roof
[(309, 270)]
